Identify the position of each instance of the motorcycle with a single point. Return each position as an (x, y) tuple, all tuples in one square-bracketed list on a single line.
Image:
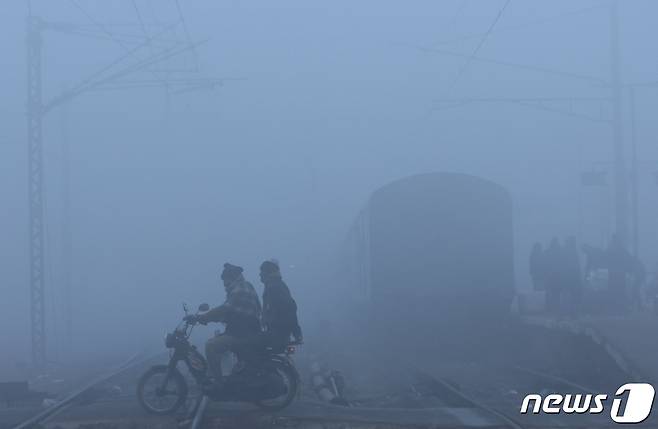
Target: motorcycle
[(263, 376)]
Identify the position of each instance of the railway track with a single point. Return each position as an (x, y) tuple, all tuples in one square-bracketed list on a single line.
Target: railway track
[(82, 394), (456, 409), (449, 393), (523, 381), (455, 405), (456, 412)]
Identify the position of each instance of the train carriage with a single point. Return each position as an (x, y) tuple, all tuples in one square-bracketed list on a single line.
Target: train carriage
[(432, 250)]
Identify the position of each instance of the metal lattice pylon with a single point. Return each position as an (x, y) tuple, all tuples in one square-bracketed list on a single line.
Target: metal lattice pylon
[(35, 191), (114, 76)]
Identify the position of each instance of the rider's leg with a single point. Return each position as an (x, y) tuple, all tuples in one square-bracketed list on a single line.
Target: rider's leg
[(215, 348)]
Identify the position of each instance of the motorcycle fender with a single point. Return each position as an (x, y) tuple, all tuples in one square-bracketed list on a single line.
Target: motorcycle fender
[(171, 368), (288, 363)]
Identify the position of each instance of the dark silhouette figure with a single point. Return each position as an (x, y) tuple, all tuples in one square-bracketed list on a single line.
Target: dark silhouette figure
[(538, 267), (595, 258), (638, 283), (620, 262), (626, 274), (240, 312), (279, 308), (572, 276), (554, 276)]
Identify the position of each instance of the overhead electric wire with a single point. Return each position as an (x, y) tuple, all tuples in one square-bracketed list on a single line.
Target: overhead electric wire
[(541, 106), (90, 84), (480, 44), (127, 38), (90, 78), (458, 12), (141, 24), (531, 67), (520, 26), (98, 24), (187, 33), (109, 33), (532, 102), (139, 19)]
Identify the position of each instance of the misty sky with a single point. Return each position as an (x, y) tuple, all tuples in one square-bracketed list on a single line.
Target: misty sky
[(324, 102)]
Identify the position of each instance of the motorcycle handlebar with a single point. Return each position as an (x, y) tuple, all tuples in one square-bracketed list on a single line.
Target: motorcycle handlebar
[(193, 321)]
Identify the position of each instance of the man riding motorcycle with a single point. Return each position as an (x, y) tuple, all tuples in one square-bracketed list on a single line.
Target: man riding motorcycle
[(240, 313), (279, 308)]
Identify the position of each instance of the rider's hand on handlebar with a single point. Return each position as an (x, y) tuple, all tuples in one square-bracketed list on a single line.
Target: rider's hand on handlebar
[(193, 319)]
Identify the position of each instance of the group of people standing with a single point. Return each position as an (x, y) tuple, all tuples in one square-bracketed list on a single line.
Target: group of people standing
[(625, 272), (556, 270)]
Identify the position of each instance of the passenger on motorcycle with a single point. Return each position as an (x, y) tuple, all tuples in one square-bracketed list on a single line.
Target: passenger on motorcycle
[(240, 313), (279, 308)]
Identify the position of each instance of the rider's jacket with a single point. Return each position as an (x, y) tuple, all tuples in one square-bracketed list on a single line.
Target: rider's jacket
[(240, 312), (279, 311)]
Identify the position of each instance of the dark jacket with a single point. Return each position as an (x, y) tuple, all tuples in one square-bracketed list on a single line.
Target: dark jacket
[(279, 311), (240, 312)]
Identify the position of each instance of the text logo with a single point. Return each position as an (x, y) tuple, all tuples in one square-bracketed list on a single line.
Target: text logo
[(631, 403)]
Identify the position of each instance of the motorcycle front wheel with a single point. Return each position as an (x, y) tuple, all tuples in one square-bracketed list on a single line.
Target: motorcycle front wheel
[(161, 392), (291, 383)]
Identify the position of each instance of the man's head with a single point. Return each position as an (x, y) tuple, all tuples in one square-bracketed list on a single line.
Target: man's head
[(230, 273), (269, 270)]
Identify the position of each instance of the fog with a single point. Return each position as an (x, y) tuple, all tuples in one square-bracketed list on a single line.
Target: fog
[(322, 104)]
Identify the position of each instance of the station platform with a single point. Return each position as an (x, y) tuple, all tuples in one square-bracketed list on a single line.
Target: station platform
[(631, 340)]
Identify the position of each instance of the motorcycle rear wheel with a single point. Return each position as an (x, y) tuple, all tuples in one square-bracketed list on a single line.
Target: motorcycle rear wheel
[(290, 380), (156, 400)]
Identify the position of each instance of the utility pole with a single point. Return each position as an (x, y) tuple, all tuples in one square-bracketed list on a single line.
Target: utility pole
[(634, 181), (35, 189), (67, 242), (621, 188), (112, 77)]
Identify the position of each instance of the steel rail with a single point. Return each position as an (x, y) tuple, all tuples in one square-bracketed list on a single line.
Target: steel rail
[(71, 398), (445, 386)]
